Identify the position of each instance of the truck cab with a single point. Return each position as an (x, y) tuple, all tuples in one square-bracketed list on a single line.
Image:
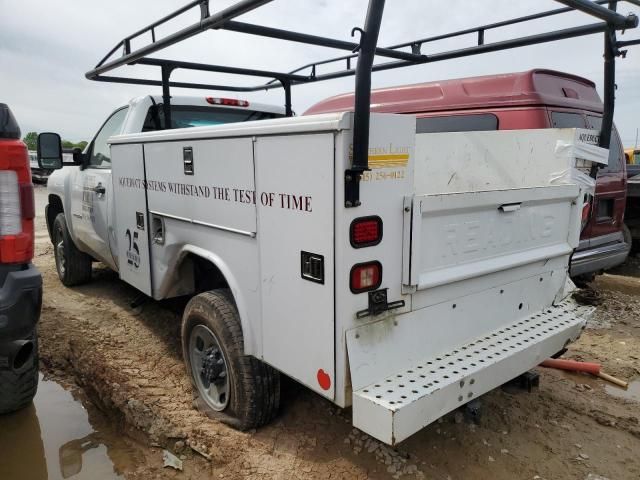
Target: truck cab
[(514, 101), (82, 191)]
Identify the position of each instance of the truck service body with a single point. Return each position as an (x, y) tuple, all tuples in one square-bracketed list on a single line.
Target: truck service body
[(401, 273), (457, 262)]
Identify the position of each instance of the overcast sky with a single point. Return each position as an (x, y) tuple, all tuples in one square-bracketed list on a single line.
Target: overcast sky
[(47, 46)]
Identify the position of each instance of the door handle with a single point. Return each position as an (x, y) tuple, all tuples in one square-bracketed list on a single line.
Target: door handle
[(99, 189), (510, 207)]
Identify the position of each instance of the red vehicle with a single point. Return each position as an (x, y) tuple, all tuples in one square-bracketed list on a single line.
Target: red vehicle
[(532, 99), (20, 281)]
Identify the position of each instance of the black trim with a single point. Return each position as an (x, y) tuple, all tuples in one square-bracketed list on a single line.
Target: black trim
[(364, 219), (372, 287), (9, 128), (20, 302), (306, 256)]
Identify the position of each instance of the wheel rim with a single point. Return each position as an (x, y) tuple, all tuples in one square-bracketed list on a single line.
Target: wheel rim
[(59, 246), (209, 367)]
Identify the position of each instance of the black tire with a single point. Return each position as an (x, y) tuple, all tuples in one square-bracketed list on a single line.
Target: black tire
[(19, 386), (254, 387), (73, 266)]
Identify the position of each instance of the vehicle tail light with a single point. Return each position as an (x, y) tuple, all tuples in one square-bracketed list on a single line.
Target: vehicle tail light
[(365, 232), (365, 276), (16, 203), (586, 210), (10, 216), (229, 102)]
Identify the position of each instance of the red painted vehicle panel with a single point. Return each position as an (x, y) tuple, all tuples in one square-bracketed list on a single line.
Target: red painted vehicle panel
[(513, 101)]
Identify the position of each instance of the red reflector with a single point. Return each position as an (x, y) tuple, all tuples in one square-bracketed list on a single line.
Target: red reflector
[(586, 214), (230, 102), (26, 201), (365, 276), (366, 232), (585, 211)]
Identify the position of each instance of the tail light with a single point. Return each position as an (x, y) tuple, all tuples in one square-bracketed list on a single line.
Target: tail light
[(16, 203), (365, 232), (10, 216), (229, 102), (365, 276), (586, 211)]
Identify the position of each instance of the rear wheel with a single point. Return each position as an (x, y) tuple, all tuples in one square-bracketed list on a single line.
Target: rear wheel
[(236, 388), (73, 266), (19, 383)]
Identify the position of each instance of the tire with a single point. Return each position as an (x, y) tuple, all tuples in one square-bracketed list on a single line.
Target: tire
[(248, 394), (73, 266), (18, 387)]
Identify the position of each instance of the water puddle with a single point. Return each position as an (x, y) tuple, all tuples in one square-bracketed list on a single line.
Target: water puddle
[(57, 438), (631, 393)]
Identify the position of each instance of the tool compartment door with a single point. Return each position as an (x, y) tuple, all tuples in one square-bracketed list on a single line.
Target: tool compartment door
[(130, 219), (459, 236), (294, 182)]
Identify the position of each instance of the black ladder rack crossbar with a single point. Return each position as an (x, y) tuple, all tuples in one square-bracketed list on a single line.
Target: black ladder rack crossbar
[(365, 50)]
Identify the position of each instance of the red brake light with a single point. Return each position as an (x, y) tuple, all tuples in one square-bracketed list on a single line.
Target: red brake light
[(16, 203), (365, 276), (229, 102), (365, 232)]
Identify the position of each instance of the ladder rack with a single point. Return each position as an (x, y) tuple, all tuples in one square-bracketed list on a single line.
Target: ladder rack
[(364, 51)]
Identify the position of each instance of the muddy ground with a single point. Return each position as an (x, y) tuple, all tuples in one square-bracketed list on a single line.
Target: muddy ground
[(128, 361)]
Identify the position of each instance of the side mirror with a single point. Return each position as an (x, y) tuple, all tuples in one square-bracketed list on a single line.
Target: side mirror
[(49, 151), (77, 155)]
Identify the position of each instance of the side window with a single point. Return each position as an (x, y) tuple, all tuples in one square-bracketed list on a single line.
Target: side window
[(100, 153), (457, 123), (567, 120), (616, 155), (636, 157)]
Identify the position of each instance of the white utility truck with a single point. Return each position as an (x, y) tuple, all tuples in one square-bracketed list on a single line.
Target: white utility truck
[(401, 274)]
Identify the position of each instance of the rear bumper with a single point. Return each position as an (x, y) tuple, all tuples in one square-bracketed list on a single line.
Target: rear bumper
[(20, 303), (602, 253), (395, 407)]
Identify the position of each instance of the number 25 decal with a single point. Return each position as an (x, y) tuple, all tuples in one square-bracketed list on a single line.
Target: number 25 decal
[(133, 252)]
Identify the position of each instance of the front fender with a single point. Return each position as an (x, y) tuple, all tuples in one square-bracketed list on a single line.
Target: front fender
[(60, 184)]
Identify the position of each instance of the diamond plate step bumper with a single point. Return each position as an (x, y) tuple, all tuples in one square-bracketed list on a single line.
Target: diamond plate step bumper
[(397, 406)]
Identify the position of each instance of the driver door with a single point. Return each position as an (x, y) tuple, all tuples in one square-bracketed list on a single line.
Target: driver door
[(92, 190)]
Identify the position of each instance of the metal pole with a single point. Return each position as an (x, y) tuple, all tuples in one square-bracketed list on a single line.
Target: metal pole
[(366, 54), (286, 85), (609, 15), (368, 41), (166, 96), (609, 82)]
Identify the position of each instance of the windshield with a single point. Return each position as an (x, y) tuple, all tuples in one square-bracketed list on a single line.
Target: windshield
[(185, 116)]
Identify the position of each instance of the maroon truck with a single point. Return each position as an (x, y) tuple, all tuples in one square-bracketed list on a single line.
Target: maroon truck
[(532, 99)]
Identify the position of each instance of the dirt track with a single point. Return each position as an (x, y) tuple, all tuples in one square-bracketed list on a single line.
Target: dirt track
[(129, 362)]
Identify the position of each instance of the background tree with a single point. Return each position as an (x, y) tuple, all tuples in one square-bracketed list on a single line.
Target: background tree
[(70, 144), (31, 140)]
